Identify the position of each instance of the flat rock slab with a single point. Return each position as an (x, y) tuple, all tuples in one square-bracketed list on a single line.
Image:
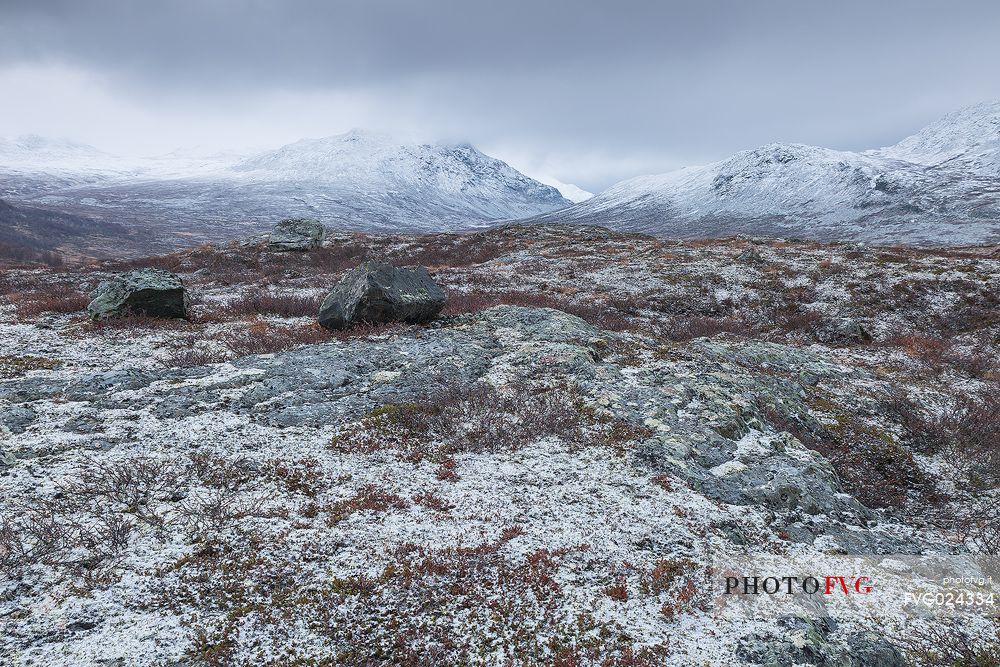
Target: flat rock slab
[(700, 405), (152, 292), (379, 292)]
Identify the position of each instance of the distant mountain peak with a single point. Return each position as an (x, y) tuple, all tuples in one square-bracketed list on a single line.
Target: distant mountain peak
[(359, 179), (375, 162)]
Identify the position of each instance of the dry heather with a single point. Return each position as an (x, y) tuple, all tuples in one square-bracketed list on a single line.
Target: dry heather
[(500, 487)]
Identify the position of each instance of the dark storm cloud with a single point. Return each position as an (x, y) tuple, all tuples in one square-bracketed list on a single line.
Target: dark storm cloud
[(234, 43), (592, 89)]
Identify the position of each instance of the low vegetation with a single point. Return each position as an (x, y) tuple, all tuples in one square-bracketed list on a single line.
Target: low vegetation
[(422, 522)]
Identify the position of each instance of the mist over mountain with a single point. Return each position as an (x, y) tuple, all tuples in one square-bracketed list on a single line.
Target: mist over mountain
[(358, 180), (940, 186)]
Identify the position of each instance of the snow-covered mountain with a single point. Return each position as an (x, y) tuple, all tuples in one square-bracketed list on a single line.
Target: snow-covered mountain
[(357, 180), (31, 152), (433, 180), (939, 186)]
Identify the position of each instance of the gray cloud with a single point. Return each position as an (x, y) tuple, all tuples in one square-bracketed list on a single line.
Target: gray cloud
[(589, 92)]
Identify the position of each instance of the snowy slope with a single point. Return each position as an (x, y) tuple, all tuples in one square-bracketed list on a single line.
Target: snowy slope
[(942, 185), (456, 178), (31, 152), (570, 191), (357, 180), (970, 136)]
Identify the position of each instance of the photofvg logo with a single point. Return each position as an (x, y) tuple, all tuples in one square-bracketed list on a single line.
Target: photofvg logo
[(829, 584), (771, 585)]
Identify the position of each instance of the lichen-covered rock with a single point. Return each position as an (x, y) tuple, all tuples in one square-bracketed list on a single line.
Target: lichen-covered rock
[(152, 292), (297, 234), (16, 418), (810, 641), (379, 292)]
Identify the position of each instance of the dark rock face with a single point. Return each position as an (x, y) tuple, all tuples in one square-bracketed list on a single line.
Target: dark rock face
[(378, 292), (153, 292), (297, 234)]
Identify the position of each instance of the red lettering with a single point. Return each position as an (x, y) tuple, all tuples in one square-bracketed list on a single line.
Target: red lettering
[(831, 585)]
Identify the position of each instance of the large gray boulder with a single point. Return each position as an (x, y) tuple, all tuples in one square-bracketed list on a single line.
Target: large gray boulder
[(297, 234), (379, 292), (153, 292)]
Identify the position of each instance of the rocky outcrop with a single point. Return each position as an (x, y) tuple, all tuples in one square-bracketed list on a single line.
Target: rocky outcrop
[(694, 418), (703, 407), (810, 641), (379, 292), (152, 292), (297, 234)]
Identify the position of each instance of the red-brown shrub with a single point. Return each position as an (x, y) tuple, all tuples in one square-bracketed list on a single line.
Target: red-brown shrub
[(264, 303), (141, 323), (683, 328), (618, 590), (368, 498), (49, 298), (262, 337), (431, 500), (930, 349), (966, 430)]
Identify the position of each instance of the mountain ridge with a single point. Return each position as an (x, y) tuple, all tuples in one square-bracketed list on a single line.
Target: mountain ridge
[(358, 180), (938, 186)]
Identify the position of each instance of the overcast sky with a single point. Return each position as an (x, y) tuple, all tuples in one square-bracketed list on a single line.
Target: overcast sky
[(587, 92)]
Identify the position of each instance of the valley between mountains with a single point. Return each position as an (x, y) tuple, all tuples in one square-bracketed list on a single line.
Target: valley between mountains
[(650, 334), (937, 187)]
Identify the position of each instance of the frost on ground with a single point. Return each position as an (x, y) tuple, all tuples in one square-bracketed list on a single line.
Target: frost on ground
[(542, 476)]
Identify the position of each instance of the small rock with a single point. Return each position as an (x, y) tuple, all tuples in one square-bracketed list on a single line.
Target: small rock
[(297, 234), (82, 625), (750, 256), (379, 292), (840, 331), (152, 292), (733, 467)]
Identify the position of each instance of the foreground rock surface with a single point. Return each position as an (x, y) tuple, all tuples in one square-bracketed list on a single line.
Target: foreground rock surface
[(602, 421), (379, 292), (297, 234), (152, 292)]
